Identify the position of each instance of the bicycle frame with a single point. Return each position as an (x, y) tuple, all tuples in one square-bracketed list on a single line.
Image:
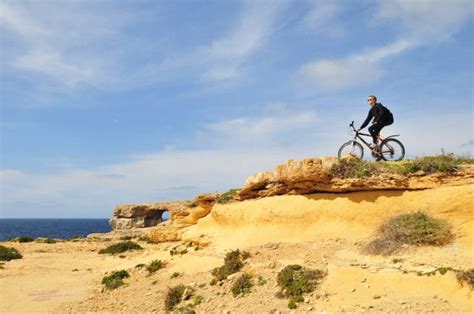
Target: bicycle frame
[(358, 135)]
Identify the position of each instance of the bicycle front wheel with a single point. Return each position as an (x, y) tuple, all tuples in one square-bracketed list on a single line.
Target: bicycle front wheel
[(351, 148), (392, 149)]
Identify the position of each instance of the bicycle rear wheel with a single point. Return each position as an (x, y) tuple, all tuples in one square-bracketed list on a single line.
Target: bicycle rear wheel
[(392, 149), (351, 148)]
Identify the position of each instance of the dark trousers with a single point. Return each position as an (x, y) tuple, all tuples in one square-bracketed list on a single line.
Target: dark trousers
[(375, 128)]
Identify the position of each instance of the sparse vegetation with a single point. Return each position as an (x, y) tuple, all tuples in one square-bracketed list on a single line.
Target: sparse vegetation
[(197, 299), (74, 238), (242, 285), (429, 164), (227, 196), (175, 250), (232, 264), (9, 253), (154, 266), (356, 168), (115, 280), (177, 294), (295, 280), (175, 275), (45, 240), (466, 276), (22, 239), (147, 239), (126, 238), (292, 304), (415, 229), (141, 265), (261, 281), (120, 248)]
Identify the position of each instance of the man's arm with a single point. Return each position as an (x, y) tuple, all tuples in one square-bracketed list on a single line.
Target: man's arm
[(367, 120)]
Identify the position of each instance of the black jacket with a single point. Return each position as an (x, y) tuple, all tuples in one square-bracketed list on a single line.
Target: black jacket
[(380, 115)]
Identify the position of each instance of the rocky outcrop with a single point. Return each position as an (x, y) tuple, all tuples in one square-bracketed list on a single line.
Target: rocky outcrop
[(296, 177), (182, 214), (313, 175), (127, 216), (185, 216)]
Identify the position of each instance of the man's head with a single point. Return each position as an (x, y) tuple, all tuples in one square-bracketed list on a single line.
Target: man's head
[(372, 100)]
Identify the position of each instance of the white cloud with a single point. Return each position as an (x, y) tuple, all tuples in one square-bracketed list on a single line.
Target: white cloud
[(428, 20), (70, 43), (351, 71), (323, 18), (422, 22), (263, 127), (77, 44), (226, 55), (253, 28)]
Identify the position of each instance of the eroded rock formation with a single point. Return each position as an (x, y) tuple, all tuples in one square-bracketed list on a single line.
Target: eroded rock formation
[(313, 175), (296, 177), (129, 216)]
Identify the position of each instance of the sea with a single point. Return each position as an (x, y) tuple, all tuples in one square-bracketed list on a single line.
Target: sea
[(51, 227)]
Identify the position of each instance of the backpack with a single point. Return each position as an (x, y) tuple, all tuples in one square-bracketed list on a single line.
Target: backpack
[(387, 114)]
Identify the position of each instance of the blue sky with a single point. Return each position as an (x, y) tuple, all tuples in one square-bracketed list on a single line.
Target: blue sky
[(107, 102)]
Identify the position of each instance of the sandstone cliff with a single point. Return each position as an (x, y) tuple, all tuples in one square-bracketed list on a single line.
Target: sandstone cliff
[(303, 198)]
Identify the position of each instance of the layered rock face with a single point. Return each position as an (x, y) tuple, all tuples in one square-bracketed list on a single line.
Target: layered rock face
[(313, 175), (296, 177)]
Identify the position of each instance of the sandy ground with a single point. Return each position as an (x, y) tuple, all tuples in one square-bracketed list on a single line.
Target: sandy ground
[(277, 231)]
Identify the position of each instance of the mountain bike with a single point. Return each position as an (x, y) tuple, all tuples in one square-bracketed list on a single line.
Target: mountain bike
[(389, 149)]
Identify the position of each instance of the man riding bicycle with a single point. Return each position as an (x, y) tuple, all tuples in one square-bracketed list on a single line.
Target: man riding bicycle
[(381, 115)]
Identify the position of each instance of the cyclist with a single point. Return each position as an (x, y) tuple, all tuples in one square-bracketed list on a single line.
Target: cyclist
[(382, 117)]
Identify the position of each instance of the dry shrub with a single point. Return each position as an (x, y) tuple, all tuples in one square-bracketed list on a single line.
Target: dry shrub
[(414, 229)]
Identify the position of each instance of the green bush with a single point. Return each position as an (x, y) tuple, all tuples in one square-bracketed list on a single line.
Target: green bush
[(126, 238), (232, 264), (354, 168), (154, 266), (261, 281), (292, 304), (146, 238), (415, 229), (294, 280), (227, 196), (120, 248), (9, 253), (115, 280), (430, 164), (175, 275), (242, 285), (24, 239), (197, 299), (175, 295), (466, 276), (45, 240), (74, 238)]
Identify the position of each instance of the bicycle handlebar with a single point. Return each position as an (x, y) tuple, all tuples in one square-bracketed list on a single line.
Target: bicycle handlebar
[(352, 125)]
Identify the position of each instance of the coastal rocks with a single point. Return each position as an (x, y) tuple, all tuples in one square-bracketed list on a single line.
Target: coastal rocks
[(128, 216)]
